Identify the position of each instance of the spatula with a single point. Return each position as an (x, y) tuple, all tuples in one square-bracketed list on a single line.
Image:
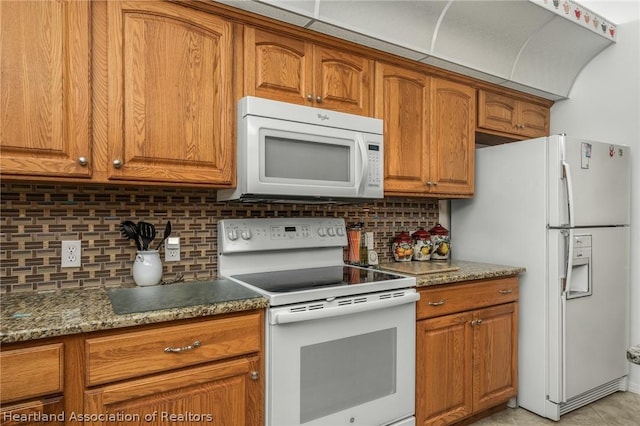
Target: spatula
[(167, 232), (147, 232)]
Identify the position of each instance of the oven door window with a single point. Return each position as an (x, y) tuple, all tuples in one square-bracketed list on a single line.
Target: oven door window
[(344, 373)]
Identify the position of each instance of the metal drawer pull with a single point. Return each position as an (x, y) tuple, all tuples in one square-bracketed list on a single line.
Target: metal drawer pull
[(509, 291), (195, 344), (476, 322), (255, 375), (438, 303)]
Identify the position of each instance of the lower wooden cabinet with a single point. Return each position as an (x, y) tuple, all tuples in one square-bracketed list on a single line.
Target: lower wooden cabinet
[(226, 393), (466, 361), (31, 384), (188, 372)]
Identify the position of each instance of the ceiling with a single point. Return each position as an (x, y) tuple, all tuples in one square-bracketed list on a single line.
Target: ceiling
[(535, 46)]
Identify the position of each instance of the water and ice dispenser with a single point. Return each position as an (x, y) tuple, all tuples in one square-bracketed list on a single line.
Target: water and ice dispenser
[(579, 271)]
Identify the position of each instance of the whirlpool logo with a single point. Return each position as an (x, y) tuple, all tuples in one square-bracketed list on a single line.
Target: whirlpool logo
[(323, 117)]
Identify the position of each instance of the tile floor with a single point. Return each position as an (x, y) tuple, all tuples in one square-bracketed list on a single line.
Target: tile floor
[(618, 409)]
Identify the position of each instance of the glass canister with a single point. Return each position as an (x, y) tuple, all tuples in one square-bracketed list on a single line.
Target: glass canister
[(402, 247), (421, 245), (441, 243), (354, 238)]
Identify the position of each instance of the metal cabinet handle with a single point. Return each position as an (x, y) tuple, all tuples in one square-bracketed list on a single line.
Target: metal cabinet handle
[(310, 97), (508, 291), (191, 347), (117, 164), (476, 322), (429, 183), (83, 161), (319, 99), (254, 375), (438, 303)]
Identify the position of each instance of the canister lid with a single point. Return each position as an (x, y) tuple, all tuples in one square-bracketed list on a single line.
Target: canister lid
[(403, 237), (421, 234), (439, 230)]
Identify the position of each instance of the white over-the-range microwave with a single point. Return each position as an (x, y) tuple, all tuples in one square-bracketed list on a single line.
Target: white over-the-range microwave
[(295, 153)]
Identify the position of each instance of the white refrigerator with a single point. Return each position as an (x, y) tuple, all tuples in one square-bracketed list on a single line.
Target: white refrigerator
[(560, 207)]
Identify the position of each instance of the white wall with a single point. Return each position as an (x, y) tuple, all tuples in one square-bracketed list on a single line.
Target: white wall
[(604, 104)]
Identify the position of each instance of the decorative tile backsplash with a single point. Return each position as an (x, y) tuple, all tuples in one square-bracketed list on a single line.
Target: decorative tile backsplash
[(35, 218)]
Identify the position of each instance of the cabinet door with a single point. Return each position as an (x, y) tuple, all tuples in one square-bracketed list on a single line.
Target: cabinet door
[(225, 393), (34, 412), (277, 67), (403, 104), (534, 120), (453, 113), (170, 99), (497, 112), (443, 369), (342, 81), (495, 351), (45, 103)]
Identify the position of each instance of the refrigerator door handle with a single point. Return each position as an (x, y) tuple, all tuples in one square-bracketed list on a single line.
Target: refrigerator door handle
[(568, 235), (569, 182)]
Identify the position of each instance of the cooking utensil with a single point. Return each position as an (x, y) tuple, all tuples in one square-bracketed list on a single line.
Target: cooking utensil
[(167, 232), (147, 233), (129, 230)]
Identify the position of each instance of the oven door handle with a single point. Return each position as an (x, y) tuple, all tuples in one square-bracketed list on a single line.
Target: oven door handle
[(287, 317)]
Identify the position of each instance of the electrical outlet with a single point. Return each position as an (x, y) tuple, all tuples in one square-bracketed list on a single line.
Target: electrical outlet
[(71, 254), (172, 249)]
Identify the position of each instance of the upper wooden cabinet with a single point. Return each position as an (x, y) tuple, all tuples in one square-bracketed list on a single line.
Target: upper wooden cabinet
[(403, 104), (45, 98), (511, 117), (170, 102), (453, 111), (296, 71), (428, 133)]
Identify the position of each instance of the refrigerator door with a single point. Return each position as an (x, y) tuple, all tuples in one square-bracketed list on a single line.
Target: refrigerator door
[(588, 325), (589, 183)]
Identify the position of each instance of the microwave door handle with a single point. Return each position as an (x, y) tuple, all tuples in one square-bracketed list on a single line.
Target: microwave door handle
[(365, 162)]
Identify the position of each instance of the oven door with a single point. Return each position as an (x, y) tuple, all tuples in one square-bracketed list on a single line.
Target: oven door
[(348, 361)]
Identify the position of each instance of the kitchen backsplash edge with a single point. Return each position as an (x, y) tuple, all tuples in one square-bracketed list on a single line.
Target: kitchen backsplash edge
[(36, 217)]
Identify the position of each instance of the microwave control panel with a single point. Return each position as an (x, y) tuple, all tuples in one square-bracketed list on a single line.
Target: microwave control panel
[(375, 164)]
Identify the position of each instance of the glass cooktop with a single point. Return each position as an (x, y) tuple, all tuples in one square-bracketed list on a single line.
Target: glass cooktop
[(298, 280)]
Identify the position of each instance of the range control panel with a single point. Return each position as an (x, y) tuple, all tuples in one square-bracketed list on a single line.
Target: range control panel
[(248, 235)]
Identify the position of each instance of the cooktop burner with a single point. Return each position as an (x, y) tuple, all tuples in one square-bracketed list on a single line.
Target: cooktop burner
[(313, 278)]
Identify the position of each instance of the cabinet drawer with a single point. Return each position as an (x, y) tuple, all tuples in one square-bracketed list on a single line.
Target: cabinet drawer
[(136, 353), (442, 300), (31, 372)]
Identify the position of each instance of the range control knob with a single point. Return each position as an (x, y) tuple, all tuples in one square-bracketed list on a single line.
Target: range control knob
[(340, 231), (246, 234), (322, 232), (331, 232), (232, 235)]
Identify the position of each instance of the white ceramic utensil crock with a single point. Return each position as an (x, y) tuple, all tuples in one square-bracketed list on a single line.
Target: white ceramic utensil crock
[(147, 268)]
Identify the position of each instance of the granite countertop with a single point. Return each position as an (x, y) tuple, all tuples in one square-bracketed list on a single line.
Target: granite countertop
[(435, 273), (29, 316)]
